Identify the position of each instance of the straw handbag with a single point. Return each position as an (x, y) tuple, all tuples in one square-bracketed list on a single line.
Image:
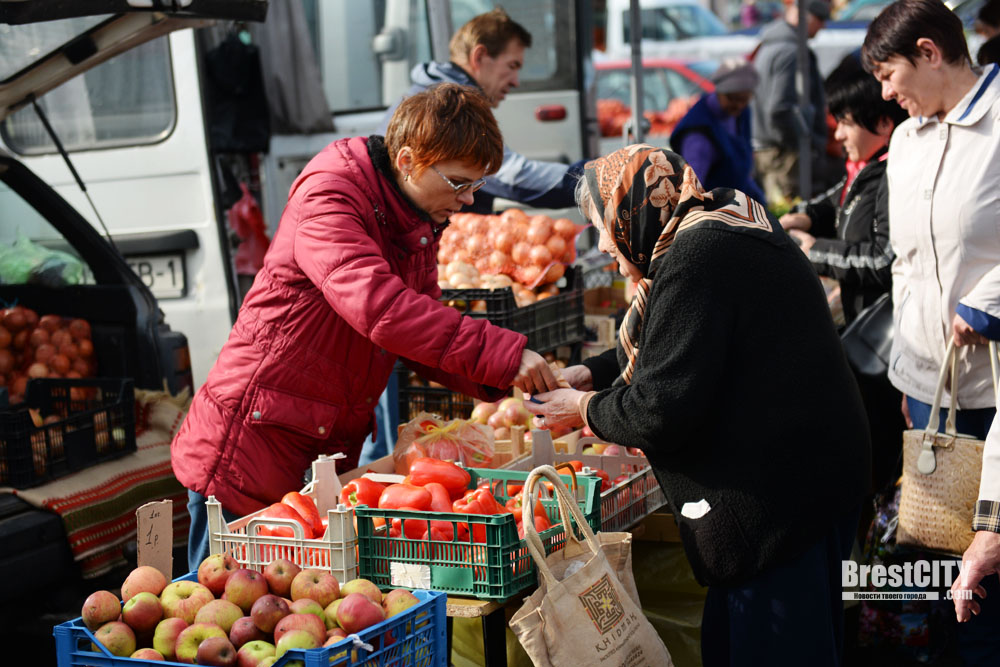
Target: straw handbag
[(583, 613), (941, 474)]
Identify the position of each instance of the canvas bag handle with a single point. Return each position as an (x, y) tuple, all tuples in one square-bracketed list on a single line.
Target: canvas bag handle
[(567, 506)]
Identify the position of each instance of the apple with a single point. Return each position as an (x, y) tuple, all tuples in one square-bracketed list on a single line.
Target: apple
[(165, 636), (307, 622), (99, 608), (117, 637), (216, 651), (398, 601), (142, 612), (612, 450), (243, 588), (302, 639), (335, 636), (279, 574), (183, 599), (590, 451), (482, 412), (270, 660), (222, 613), (143, 578), (587, 432), (215, 570), (316, 584), (309, 606), (191, 638), (268, 610), (635, 451), (245, 631), (253, 652), (363, 586), (330, 614), (147, 654), (357, 612)]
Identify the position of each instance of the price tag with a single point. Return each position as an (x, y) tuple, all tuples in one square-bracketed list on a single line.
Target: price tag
[(410, 575), (155, 536)]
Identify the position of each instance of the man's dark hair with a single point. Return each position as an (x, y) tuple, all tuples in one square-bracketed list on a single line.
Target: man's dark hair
[(850, 90), (896, 29)]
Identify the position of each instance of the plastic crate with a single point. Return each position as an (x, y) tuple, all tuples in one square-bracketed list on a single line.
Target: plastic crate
[(413, 638), (92, 420), (417, 398), (336, 551), (549, 323), (494, 570)]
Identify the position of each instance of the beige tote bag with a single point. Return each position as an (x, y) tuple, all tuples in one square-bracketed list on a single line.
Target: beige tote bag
[(583, 613), (941, 471)]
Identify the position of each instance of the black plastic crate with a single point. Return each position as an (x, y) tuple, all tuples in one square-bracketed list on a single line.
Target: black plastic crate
[(88, 421), (548, 323), (420, 397)]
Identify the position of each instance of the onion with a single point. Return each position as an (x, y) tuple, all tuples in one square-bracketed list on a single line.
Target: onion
[(499, 261), (539, 229), (13, 319), (86, 348), (570, 255), (556, 245), (514, 215), (540, 255), (38, 370), (554, 273), (521, 253), (60, 336), (565, 228), (503, 241), (45, 352), (50, 322), (79, 328), (5, 338), (6, 361), (476, 244), (60, 364)]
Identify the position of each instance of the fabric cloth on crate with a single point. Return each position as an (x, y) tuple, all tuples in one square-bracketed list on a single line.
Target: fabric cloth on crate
[(98, 504), (713, 356), (730, 163), (943, 201), (530, 182), (349, 284)]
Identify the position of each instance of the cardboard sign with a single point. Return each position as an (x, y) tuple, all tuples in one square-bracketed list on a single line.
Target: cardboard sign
[(155, 536)]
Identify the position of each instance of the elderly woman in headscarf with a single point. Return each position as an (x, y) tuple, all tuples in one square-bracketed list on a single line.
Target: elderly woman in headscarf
[(730, 376)]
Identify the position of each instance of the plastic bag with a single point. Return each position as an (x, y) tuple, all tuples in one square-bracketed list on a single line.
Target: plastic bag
[(26, 262), (458, 440)]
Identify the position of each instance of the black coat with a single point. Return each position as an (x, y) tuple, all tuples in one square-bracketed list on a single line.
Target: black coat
[(852, 241), (742, 397)]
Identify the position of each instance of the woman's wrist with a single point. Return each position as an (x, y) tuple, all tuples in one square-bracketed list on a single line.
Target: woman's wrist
[(582, 404)]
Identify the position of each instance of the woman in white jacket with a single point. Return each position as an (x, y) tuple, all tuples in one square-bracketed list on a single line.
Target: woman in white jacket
[(944, 207)]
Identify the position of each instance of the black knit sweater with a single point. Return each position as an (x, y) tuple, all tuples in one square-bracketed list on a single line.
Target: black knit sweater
[(741, 397)]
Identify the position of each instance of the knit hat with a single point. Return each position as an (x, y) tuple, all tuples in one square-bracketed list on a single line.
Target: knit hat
[(735, 75)]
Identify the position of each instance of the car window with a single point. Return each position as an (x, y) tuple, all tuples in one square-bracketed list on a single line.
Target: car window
[(21, 45), (675, 22), (129, 100), (660, 86)]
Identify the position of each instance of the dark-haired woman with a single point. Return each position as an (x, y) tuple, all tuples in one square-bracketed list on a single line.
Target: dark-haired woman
[(348, 285)]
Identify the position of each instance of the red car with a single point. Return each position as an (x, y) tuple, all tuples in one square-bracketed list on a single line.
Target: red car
[(670, 87)]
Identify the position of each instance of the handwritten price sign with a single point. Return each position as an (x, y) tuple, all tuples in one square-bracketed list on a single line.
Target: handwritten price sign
[(154, 534)]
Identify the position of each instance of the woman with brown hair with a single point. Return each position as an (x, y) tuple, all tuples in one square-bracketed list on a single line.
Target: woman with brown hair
[(349, 284)]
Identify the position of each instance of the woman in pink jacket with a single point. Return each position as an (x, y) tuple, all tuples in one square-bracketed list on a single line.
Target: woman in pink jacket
[(348, 285)]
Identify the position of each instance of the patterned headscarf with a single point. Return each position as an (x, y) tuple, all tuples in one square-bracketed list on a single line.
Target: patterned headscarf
[(642, 194)]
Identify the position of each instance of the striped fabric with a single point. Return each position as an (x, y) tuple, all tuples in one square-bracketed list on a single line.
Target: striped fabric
[(98, 504)]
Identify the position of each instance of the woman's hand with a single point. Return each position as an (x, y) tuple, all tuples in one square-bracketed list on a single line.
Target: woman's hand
[(579, 377), (534, 375), (790, 221), (965, 334), (805, 240), (558, 409)]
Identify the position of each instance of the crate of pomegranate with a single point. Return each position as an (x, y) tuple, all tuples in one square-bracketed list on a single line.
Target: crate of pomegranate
[(629, 489), (310, 528), (186, 622), (459, 530)]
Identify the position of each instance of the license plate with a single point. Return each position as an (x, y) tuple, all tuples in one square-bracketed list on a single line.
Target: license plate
[(162, 274)]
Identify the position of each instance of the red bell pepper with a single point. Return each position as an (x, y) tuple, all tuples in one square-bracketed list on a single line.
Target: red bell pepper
[(440, 498), (413, 529), (361, 491), (283, 511), (541, 523), (605, 480), (620, 479), (397, 496), (477, 501), (305, 506), (515, 506), (451, 476)]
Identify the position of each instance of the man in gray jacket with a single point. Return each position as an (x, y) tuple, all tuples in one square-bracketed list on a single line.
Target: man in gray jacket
[(775, 105), (488, 53)]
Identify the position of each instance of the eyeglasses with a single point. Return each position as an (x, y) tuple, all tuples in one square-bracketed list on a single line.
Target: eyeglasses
[(464, 187)]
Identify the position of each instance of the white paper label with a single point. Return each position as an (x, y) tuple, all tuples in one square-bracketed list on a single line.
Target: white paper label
[(696, 510), (410, 575)]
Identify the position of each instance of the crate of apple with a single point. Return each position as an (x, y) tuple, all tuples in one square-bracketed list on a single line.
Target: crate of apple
[(224, 614)]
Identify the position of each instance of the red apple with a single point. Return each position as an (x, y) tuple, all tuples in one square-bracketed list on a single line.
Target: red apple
[(612, 450), (99, 608), (268, 610), (306, 622), (302, 639), (215, 570), (316, 584), (363, 586), (165, 636), (183, 599), (243, 588), (147, 654), (253, 653), (222, 613), (191, 638), (357, 612), (308, 606), (482, 412), (142, 612), (398, 601), (245, 631), (143, 578), (216, 651), (330, 614), (117, 637), (279, 574), (334, 636)]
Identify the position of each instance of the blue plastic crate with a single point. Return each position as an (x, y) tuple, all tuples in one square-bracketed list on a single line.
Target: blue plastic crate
[(414, 638)]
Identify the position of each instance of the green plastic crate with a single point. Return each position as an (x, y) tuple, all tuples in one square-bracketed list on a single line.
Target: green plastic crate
[(494, 570)]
